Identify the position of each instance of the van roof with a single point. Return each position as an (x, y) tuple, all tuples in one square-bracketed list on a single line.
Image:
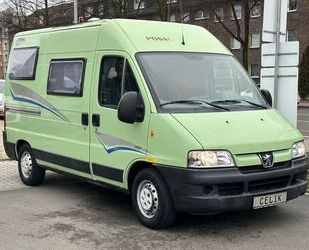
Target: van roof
[(122, 34)]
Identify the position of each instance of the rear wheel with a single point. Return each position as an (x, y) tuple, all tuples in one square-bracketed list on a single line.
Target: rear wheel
[(152, 200), (30, 173)]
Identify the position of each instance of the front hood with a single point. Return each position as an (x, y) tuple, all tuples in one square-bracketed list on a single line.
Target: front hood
[(241, 132)]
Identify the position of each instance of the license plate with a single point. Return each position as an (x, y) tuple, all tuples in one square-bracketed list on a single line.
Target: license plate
[(269, 200)]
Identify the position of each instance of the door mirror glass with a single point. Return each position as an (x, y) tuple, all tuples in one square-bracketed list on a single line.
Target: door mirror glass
[(129, 109), (266, 94)]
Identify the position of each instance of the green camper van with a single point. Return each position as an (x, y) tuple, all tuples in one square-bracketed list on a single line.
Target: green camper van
[(160, 110)]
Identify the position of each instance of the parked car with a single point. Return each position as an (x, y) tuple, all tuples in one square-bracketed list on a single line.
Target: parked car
[(1, 98), (161, 111)]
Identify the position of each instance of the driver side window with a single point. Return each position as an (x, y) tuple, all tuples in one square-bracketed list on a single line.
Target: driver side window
[(116, 78)]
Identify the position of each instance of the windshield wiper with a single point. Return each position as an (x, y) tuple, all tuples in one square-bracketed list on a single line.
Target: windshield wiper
[(194, 102), (241, 100)]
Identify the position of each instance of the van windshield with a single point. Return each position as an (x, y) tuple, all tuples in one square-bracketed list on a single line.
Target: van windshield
[(207, 82)]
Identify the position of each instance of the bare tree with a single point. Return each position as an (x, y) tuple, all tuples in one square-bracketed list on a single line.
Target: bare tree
[(21, 15), (240, 32), (164, 9)]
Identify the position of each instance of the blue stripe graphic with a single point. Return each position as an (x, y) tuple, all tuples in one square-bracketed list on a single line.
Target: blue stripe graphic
[(31, 101), (122, 148)]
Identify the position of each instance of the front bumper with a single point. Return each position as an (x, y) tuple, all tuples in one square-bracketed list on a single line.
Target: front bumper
[(218, 190)]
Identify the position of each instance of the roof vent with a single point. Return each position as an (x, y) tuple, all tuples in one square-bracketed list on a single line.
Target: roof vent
[(93, 19)]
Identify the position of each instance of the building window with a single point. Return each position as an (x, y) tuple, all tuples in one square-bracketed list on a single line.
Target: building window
[(237, 8), (255, 41), (186, 17), (256, 9), (139, 4), (292, 5), (172, 18), (219, 14), (66, 77), (89, 11), (291, 35), (201, 14), (235, 44), (117, 78), (255, 71), (23, 64), (101, 10)]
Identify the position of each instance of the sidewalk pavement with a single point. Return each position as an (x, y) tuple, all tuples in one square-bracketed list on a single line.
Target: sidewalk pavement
[(303, 104)]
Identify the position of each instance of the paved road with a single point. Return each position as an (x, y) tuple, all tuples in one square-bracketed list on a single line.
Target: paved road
[(68, 214), (303, 120)]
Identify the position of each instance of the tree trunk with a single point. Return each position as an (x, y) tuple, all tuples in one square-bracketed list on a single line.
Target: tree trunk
[(245, 56), (46, 14), (245, 45)]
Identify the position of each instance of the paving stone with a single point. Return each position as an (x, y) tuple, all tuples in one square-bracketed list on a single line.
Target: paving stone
[(9, 177)]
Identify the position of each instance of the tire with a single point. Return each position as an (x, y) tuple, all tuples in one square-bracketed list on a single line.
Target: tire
[(30, 173), (152, 200)]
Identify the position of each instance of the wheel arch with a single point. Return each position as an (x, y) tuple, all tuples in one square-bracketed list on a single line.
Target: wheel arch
[(133, 170), (18, 145)]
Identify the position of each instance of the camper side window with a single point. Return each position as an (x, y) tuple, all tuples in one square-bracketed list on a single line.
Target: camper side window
[(116, 78), (66, 77), (23, 63)]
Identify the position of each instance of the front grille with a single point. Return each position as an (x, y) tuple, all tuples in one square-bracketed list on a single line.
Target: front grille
[(230, 188), (268, 184), (299, 177), (260, 168)]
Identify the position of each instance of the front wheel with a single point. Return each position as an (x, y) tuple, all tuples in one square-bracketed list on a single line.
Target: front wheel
[(151, 199), (30, 173)]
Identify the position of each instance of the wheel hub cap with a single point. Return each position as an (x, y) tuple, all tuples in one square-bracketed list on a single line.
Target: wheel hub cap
[(26, 164), (147, 198)]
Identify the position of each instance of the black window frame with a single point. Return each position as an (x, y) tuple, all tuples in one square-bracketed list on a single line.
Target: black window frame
[(125, 62), (34, 66), (80, 94)]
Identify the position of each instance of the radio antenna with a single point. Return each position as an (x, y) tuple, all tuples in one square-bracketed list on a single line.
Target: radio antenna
[(182, 26)]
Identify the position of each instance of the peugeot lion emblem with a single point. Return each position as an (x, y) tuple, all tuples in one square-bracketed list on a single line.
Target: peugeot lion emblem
[(267, 159)]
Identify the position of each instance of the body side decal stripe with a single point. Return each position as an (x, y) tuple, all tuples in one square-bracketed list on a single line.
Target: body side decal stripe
[(23, 110), (23, 99), (24, 94), (112, 144)]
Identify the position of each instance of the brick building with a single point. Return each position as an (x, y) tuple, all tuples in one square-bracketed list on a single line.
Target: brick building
[(202, 13), (1, 60), (297, 28), (4, 51)]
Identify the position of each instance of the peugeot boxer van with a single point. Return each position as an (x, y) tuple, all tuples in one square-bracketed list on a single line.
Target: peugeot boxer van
[(161, 110)]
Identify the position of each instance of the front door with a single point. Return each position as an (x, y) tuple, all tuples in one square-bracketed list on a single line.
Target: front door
[(114, 145)]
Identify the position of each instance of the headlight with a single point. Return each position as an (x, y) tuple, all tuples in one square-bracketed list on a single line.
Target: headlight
[(210, 159), (298, 149)]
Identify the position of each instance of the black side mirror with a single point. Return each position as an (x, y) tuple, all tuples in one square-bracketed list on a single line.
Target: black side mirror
[(129, 109), (267, 97)]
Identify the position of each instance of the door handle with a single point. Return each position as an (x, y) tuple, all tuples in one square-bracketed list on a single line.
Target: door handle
[(96, 120), (85, 119)]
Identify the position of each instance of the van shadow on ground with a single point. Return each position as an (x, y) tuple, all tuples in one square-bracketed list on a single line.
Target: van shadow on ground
[(101, 199)]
